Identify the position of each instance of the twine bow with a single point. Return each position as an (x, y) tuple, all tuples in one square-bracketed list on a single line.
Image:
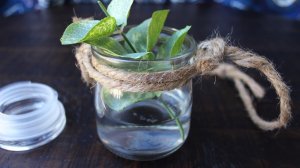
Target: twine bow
[(209, 60)]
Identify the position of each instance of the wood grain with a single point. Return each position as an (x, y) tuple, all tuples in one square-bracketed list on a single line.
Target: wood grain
[(221, 134)]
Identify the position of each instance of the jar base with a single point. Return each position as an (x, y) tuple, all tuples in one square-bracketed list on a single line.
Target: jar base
[(145, 156), (149, 129), (143, 143)]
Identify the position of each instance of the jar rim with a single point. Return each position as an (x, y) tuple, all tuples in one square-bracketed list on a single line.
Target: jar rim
[(182, 55), (12, 90)]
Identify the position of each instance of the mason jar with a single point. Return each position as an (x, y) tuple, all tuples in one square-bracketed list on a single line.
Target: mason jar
[(145, 125)]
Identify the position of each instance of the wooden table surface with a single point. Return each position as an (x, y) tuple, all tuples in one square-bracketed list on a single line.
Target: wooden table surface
[(221, 135)]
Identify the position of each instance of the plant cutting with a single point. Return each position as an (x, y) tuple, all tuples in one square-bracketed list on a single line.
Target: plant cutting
[(144, 42), (142, 76)]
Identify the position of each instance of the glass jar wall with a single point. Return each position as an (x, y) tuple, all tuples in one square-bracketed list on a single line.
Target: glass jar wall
[(148, 125)]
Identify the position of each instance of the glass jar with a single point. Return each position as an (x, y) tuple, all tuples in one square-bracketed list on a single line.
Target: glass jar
[(149, 125)]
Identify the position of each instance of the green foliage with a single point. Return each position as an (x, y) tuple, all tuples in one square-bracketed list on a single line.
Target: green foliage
[(144, 36), (110, 46), (119, 9), (88, 31), (141, 56), (173, 45), (126, 99), (141, 40)]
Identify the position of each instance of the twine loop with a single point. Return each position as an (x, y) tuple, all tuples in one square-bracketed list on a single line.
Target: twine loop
[(213, 57)]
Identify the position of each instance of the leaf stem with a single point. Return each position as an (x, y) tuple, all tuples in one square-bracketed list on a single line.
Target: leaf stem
[(178, 123), (103, 8), (128, 42)]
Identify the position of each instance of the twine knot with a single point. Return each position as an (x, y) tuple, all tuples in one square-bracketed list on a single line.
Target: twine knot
[(209, 55), (215, 47), (209, 60)]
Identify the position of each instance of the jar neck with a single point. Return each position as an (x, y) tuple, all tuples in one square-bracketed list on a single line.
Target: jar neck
[(185, 57)]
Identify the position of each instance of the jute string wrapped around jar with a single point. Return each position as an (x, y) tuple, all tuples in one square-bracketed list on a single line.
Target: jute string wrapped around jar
[(213, 57)]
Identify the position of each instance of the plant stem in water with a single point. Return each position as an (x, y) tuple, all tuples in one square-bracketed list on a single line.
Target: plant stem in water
[(173, 117)]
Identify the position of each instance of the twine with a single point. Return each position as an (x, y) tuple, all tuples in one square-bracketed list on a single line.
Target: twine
[(209, 60)]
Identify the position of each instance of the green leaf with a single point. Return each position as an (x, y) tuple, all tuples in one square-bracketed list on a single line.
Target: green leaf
[(77, 31), (145, 35), (88, 31), (161, 53), (157, 23), (110, 46), (125, 100), (141, 55), (119, 9), (138, 36), (174, 43)]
